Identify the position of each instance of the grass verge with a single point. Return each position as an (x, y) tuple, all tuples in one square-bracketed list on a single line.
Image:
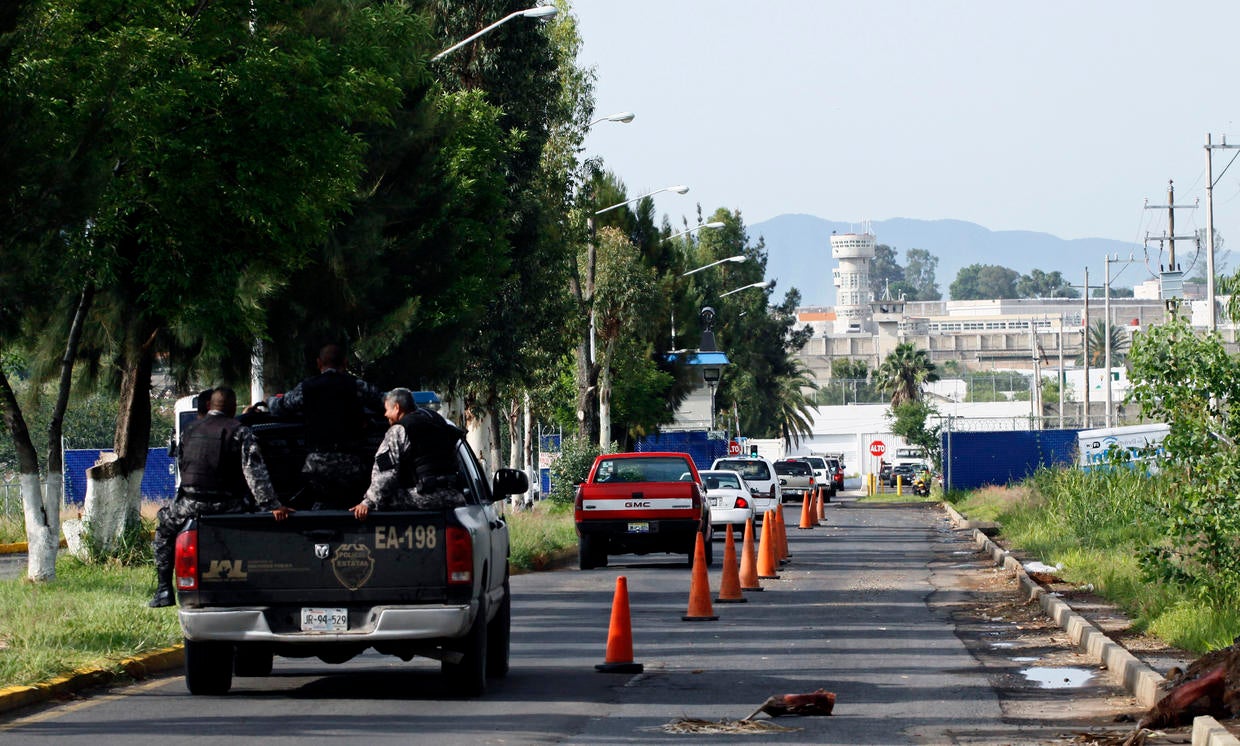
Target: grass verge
[(1096, 525), (91, 616), (12, 528), (535, 535)]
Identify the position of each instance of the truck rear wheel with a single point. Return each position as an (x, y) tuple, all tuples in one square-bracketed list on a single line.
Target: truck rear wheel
[(592, 552), (499, 637), (468, 678), (208, 667), (253, 660)]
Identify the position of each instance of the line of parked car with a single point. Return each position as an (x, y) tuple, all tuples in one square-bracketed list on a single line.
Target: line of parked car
[(740, 487)]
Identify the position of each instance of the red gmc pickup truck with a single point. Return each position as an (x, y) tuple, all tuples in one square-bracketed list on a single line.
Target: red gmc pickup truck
[(641, 503)]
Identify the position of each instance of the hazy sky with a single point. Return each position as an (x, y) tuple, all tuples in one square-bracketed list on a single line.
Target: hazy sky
[(1062, 117)]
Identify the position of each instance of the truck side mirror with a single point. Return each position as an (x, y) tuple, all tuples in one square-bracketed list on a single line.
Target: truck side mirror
[(509, 482)]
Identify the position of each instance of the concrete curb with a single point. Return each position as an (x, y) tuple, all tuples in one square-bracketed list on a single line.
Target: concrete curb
[(138, 667), (1125, 668)]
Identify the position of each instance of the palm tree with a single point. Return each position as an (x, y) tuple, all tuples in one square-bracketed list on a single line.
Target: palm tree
[(792, 406), (903, 373), (1097, 345)]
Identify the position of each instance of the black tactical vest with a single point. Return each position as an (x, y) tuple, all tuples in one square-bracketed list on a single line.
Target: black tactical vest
[(431, 460), (210, 460), (333, 409)]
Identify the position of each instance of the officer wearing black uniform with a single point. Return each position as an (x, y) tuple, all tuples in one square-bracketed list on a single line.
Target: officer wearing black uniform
[(220, 465), (334, 405), (416, 466)]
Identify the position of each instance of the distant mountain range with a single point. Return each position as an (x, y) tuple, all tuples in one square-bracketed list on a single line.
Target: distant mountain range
[(799, 251)]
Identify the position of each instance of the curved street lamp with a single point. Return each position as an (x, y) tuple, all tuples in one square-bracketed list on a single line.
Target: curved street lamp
[(679, 189), (538, 11), (737, 258), (623, 117), (763, 284), (713, 225)]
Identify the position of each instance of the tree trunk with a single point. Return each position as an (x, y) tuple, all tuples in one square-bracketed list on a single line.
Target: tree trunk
[(42, 530), (587, 388), (604, 409), (48, 542), (113, 486)]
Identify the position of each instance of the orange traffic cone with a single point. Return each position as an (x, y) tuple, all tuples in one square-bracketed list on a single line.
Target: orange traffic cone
[(768, 561), (749, 561), (730, 582), (807, 504), (822, 509), (619, 658), (700, 609), (781, 535)]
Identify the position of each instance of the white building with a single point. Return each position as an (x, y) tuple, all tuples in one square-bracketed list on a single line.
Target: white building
[(852, 281)]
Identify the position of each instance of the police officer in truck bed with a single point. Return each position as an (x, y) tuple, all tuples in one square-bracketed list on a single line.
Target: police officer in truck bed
[(334, 405), (219, 459), (416, 466)]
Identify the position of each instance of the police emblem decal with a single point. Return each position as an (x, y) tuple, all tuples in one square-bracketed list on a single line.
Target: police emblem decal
[(353, 565), (322, 550)]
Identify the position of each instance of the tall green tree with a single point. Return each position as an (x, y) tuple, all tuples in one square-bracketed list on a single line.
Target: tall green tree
[(201, 118), (919, 273), (1039, 284), (885, 271), (984, 282), (903, 373)]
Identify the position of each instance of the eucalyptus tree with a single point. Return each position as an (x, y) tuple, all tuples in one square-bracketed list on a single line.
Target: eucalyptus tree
[(527, 71), (903, 372), (230, 145)]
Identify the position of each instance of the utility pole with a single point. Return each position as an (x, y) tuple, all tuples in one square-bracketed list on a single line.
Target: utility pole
[(1172, 279), (1085, 347), (1106, 326), (1210, 222)]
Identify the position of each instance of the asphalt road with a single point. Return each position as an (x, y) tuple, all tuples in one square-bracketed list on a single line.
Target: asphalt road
[(864, 609)]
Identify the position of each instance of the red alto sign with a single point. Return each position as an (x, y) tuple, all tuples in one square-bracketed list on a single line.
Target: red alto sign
[(734, 448), (877, 448)]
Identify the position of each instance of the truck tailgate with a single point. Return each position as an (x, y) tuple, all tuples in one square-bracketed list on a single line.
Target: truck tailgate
[(653, 499), (327, 557)]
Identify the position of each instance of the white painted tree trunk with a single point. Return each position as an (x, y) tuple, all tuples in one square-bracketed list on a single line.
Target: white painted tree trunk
[(42, 511), (113, 502), (604, 409)]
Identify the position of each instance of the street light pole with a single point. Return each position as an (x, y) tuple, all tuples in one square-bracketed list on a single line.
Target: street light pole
[(1210, 290), (737, 258), (1106, 327), (540, 11), (623, 117), (679, 189), (763, 284)]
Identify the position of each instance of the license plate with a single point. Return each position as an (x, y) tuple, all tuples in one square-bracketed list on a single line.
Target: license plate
[(714, 502), (639, 527), (324, 620)]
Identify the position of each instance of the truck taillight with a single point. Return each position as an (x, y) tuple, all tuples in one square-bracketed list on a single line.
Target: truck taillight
[(186, 564), (772, 492), (811, 481), (460, 556)]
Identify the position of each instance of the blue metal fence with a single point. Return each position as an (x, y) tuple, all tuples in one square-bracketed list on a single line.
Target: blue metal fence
[(977, 459), (703, 449), (159, 482)]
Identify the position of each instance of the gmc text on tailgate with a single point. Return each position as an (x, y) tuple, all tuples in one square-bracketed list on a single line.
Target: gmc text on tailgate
[(430, 583), (641, 503)]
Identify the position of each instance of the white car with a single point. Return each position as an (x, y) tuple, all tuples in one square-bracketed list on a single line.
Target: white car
[(759, 475), (729, 498)]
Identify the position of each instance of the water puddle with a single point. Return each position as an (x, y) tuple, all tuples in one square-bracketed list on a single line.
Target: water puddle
[(1024, 659), (1002, 644), (1058, 678)]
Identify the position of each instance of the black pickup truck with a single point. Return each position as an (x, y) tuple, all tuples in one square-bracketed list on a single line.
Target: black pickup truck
[(323, 584)]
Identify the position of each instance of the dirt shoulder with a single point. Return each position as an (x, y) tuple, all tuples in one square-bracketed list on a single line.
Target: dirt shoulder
[(1054, 692)]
